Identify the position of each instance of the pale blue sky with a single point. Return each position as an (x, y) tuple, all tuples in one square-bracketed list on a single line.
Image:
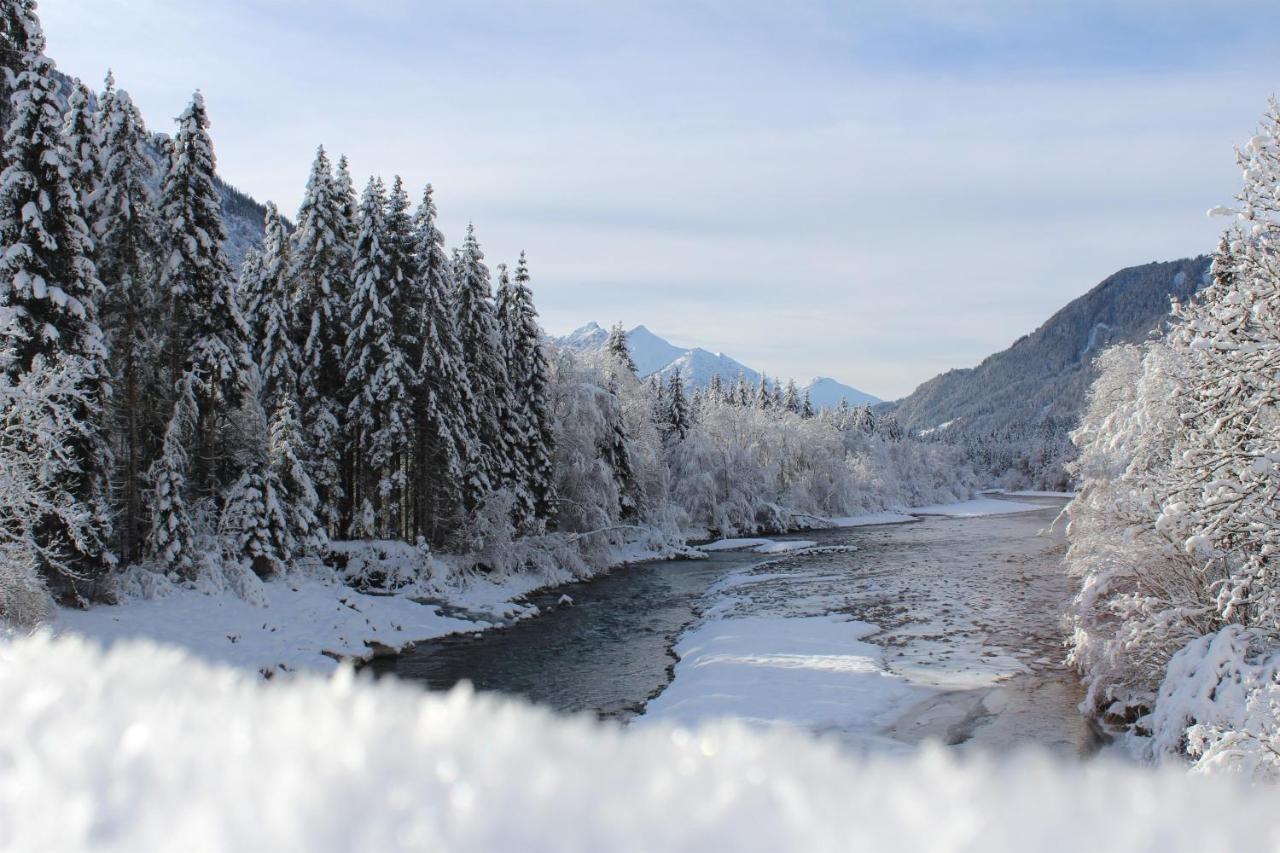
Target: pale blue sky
[(875, 191)]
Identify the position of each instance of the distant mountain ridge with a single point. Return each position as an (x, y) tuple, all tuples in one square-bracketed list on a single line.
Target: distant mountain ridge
[(1045, 376), (653, 354)]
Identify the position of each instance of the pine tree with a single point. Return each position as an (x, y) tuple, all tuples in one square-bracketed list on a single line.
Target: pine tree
[(52, 290), (321, 278), (279, 360), (481, 347), (208, 336), (447, 473), (249, 293), (127, 231), (533, 437), (806, 408), (614, 449), (619, 352)]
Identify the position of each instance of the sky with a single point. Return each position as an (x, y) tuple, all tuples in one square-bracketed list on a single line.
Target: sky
[(874, 191)]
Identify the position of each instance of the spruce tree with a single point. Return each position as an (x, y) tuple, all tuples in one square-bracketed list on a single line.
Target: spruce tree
[(715, 388), (320, 276), (289, 474), (375, 373), (81, 143), (532, 435), (127, 231), (791, 399), (677, 407), (207, 334), (19, 33), (279, 360), (51, 291), (448, 475), (481, 348), (763, 399), (171, 540), (806, 407)]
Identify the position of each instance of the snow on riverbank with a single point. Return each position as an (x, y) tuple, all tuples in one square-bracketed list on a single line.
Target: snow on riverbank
[(146, 748), (976, 507), (310, 619), (813, 673)]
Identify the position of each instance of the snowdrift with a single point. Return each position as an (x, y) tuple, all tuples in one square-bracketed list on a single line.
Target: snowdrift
[(144, 747)]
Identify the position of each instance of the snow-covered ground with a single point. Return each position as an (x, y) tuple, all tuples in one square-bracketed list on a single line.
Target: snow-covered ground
[(147, 748), (312, 620)]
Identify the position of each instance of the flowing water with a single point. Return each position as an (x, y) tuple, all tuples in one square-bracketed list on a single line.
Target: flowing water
[(971, 606)]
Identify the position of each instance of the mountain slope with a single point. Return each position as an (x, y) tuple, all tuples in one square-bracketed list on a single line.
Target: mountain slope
[(1046, 374), (653, 354)]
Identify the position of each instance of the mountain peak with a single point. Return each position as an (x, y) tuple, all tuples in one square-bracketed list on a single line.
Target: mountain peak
[(654, 354)]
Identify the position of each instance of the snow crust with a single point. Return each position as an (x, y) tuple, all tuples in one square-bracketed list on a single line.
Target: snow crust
[(872, 518), (814, 673), (976, 507), (145, 748)]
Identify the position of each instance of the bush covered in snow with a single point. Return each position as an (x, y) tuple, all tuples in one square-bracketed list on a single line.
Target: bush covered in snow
[(144, 748), (1175, 531)]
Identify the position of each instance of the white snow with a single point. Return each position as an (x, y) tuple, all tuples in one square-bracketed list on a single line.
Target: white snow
[(784, 546), (311, 621), (734, 544), (146, 748), (976, 507), (873, 518), (814, 673)]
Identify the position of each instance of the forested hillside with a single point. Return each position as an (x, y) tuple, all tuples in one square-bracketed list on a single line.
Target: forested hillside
[(1014, 410)]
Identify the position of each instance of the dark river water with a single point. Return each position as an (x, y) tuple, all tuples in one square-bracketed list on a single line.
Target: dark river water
[(609, 652), (949, 594)]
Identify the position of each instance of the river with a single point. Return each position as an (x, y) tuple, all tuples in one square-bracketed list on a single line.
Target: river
[(970, 607)]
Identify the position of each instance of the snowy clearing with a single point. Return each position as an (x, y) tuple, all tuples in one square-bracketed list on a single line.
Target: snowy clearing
[(146, 748)]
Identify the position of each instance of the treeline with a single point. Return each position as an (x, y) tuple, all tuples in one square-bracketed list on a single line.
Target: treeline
[(166, 416), (355, 379)]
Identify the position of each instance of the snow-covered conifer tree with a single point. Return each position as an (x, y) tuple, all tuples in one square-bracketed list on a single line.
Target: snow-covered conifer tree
[(447, 477), (619, 352), (677, 407), (320, 276), (127, 231), (806, 407), (81, 142), (279, 359), (19, 32), (171, 541), (478, 337), (51, 292), (375, 371), (207, 335), (791, 399), (531, 434)]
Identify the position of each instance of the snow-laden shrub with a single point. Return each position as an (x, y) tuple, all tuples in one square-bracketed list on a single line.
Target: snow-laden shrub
[(1176, 532), (1220, 703)]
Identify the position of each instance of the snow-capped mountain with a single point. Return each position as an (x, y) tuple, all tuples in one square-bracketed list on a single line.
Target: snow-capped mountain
[(654, 354)]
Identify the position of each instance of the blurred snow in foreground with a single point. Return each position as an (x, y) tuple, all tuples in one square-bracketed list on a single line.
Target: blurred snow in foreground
[(144, 747)]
